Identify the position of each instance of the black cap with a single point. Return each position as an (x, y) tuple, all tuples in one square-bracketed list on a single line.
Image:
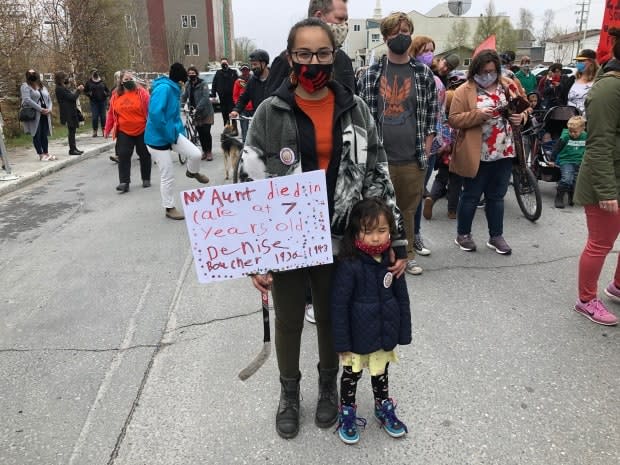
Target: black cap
[(507, 57), (586, 54), (453, 61), (178, 73)]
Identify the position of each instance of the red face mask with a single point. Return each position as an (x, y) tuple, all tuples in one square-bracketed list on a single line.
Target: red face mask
[(372, 249), (314, 76)]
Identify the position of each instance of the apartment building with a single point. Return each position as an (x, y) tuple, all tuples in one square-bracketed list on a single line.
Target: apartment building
[(187, 31)]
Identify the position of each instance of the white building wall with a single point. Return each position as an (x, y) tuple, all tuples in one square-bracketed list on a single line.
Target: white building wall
[(438, 28), (564, 52)]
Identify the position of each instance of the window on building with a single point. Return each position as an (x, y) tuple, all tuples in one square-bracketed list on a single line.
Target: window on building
[(466, 61), (192, 21), (375, 37), (188, 50), (195, 50), (356, 27), (184, 21)]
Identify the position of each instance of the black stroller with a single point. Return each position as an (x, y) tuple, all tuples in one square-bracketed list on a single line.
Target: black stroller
[(552, 124)]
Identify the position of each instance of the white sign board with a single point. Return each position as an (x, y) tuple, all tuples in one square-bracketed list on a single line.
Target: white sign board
[(254, 227)]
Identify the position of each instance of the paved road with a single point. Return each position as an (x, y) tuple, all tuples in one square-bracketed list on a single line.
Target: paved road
[(112, 353)]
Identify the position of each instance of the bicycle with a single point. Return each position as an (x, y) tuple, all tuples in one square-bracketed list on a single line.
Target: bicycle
[(524, 181), (190, 131)]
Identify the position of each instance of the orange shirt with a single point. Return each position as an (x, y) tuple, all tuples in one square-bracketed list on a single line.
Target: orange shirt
[(321, 112), (131, 117)]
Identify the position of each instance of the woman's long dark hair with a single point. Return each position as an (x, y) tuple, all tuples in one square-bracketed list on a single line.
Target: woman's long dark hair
[(38, 82), (59, 78), (120, 90), (364, 214), (478, 62), (308, 22), (290, 42)]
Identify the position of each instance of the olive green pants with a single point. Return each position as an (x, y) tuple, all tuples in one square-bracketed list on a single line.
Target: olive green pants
[(289, 298)]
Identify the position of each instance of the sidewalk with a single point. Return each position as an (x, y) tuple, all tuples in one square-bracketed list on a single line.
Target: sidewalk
[(26, 167)]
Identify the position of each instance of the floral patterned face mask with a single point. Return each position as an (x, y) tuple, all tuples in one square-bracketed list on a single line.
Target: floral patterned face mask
[(340, 30)]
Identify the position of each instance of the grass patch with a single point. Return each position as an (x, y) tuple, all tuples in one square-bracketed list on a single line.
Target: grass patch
[(58, 133)]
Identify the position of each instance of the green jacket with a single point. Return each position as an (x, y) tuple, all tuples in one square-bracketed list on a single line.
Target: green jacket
[(599, 175), (528, 81)]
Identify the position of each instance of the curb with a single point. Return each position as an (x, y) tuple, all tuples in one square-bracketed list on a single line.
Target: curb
[(53, 168)]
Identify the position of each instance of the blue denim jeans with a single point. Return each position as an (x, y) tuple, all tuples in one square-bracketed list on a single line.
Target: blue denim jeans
[(418, 211), (492, 181), (568, 176), (98, 113), (39, 140)]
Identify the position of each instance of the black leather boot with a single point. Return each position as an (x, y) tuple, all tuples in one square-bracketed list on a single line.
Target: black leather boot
[(559, 198), (570, 198), (287, 418), (327, 406)]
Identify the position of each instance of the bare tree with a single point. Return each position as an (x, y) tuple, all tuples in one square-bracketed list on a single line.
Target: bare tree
[(506, 36), (459, 34), (178, 44), (488, 23), (526, 22), (546, 31), (243, 47), (19, 27), (88, 34)]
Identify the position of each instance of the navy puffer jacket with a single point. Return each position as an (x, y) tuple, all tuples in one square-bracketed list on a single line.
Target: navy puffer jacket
[(367, 315)]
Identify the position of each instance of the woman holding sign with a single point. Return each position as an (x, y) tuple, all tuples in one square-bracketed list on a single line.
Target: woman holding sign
[(313, 123)]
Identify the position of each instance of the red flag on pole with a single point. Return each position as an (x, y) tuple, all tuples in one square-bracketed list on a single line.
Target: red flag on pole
[(611, 18), (486, 44)]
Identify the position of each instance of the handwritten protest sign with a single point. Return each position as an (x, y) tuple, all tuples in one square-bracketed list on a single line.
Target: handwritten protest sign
[(273, 224)]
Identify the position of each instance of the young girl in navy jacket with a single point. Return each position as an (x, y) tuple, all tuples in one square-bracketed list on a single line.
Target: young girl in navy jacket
[(370, 315)]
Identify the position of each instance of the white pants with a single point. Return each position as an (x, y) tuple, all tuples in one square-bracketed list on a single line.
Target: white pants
[(163, 158)]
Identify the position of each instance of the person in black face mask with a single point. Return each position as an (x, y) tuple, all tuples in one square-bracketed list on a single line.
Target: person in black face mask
[(67, 102), (35, 95), (126, 121), (312, 123), (196, 96), (223, 83), (257, 88), (98, 93), (402, 97)]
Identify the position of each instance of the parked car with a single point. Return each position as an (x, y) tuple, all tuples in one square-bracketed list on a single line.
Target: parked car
[(566, 70), (208, 77)]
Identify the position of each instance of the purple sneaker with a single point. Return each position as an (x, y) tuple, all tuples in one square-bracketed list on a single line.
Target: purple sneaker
[(613, 292), (596, 311)]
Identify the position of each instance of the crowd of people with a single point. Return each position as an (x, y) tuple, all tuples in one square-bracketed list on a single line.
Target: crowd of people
[(378, 134)]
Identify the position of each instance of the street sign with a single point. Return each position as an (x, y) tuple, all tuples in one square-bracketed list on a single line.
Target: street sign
[(274, 224)]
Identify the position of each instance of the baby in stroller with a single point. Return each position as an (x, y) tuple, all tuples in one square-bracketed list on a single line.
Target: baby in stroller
[(545, 136), (567, 153)]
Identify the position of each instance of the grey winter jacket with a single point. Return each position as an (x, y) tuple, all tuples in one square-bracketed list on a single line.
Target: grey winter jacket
[(30, 98), (204, 107), (361, 170)]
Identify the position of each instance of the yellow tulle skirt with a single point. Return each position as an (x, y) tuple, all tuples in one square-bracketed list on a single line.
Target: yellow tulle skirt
[(375, 362)]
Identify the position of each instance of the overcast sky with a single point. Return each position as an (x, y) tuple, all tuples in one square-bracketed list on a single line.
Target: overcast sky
[(267, 22)]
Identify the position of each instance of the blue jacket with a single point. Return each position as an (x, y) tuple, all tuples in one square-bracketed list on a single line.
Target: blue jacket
[(164, 123), (367, 315)]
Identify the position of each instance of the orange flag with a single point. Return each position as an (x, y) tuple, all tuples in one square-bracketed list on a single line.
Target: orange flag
[(488, 43), (611, 18)]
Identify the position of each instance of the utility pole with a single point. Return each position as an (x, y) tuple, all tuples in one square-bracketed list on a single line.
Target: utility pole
[(583, 14)]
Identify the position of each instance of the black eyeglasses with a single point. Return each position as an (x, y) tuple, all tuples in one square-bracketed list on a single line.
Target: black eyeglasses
[(324, 55)]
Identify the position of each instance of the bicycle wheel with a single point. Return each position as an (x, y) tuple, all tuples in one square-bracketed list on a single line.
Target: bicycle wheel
[(527, 192)]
